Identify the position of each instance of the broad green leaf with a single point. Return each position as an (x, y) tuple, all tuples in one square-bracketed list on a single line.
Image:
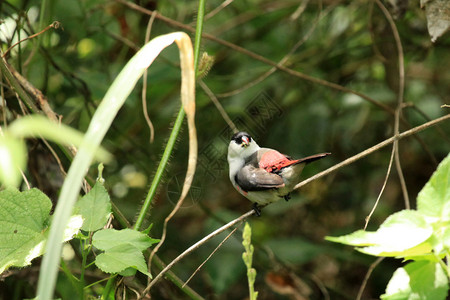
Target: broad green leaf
[(95, 208), (12, 159), (424, 280), (434, 199), (24, 218), (120, 258), (401, 234), (110, 238), (357, 238), (421, 250), (23, 222)]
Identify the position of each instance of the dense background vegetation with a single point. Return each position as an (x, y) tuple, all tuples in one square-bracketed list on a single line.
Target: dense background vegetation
[(348, 43)]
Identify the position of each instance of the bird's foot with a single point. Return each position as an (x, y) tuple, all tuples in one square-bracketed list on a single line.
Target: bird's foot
[(287, 197), (256, 209)]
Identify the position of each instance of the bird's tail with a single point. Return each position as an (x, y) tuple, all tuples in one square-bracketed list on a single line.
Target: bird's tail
[(311, 158)]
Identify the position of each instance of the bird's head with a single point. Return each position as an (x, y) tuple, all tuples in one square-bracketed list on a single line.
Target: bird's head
[(242, 146)]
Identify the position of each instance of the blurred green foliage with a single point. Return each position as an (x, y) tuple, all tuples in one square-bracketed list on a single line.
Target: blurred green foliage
[(348, 43)]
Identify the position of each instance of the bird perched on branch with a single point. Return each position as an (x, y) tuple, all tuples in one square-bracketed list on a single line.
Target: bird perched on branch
[(263, 175)]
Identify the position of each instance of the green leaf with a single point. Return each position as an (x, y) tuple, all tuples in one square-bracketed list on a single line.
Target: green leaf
[(95, 208), (23, 222), (120, 258), (423, 280), (12, 159), (434, 199), (110, 238), (357, 238), (403, 233), (123, 250)]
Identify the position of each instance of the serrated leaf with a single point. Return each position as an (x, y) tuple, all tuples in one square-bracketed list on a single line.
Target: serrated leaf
[(12, 159), (434, 199), (121, 257), (423, 280), (110, 238), (95, 208), (23, 221), (399, 235)]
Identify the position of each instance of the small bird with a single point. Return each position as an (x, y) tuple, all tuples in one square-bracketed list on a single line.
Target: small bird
[(263, 175)]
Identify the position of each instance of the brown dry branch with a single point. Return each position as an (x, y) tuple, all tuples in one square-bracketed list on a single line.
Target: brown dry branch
[(373, 149)]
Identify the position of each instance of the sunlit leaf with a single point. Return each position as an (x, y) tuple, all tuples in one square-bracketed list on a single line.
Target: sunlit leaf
[(398, 235), (434, 199), (23, 222), (423, 280), (12, 159)]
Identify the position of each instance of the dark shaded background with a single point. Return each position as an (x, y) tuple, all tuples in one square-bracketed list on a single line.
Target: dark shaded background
[(349, 43)]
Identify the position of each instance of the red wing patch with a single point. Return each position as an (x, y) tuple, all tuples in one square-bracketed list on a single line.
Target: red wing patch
[(273, 161)]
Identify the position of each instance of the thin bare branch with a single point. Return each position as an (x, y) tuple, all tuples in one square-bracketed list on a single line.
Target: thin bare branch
[(382, 188), (284, 59), (54, 25), (212, 253), (218, 105), (373, 149), (195, 247), (400, 93), (366, 278), (218, 9), (259, 57)]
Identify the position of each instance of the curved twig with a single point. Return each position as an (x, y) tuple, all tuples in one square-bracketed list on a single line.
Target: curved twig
[(194, 247), (401, 90)]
